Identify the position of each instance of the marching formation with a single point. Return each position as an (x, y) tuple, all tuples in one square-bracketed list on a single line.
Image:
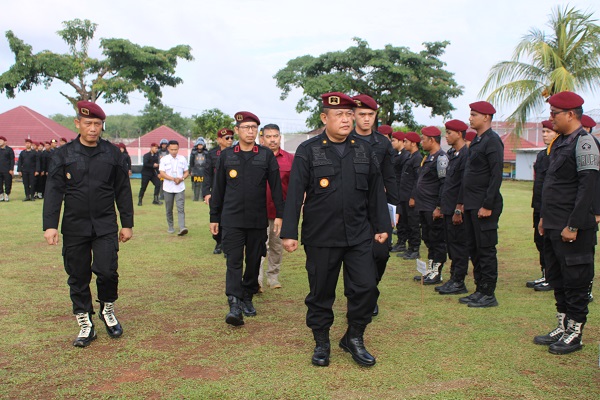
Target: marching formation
[(350, 186)]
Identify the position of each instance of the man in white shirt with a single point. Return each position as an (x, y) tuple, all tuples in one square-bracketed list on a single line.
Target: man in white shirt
[(174, 170)]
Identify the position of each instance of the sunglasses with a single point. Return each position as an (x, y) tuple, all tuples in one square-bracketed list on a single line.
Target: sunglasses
[(228, 137)]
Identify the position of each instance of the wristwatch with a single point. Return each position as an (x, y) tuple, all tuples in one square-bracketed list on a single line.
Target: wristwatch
[(457, 212), (571, 229)]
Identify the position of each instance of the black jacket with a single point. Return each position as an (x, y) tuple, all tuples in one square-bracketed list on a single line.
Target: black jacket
[(454, 179), (7, 159), (90, 183), (148, 162), (410, 173), (430, 181), (542, 161), (212, 158), (29, 161), (345, 200)]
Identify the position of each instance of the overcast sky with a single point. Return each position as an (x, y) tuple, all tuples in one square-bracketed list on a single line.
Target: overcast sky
[(239, 45)]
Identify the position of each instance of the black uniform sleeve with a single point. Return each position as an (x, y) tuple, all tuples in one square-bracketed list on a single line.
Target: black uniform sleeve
[(299, 179), (495, 156), (218, 192), (274, 179), (12, 159), (20, 162), (414, 169), (55, 190), (38, 164), (208, 176), (123, 196), (378, 210), (389, 177)]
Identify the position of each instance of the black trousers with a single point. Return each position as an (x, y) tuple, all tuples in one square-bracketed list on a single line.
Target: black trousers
[(323, 266), (432, 232), (40, 184), (570, 271), (235, 241), (29, 183), (413, 226), (5, 182), (538, 240), (456, 243), (84, 255), (482, 238), (402, 226), (149, 178)]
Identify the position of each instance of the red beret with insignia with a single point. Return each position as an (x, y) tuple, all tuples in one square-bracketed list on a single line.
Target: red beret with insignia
[(483, 107), (54, 141), (470, 136), (412, 137), (587, 122), (154, 144), (364, 101), (28, 141), (548, 125), (385, 130), (245, 116), (337, 100), (566, 100), (398, 136), (431, 131), (456, 125), (224, 132), (122, 146), (2, 138), (88, 109)]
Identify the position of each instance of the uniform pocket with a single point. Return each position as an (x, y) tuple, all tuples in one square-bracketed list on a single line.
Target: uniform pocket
[(324, 179), (362, 176)]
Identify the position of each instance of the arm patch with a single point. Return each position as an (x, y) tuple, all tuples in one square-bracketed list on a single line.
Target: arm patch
[(587, 154), (442, 165)]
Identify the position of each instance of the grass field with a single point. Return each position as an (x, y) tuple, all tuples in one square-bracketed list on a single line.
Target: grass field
[(177, 345)]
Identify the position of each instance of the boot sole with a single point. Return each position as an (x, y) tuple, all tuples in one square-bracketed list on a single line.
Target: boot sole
[(247, 314), (457, 292), (323, 363), (476, 305), (552, 351), (232, 320), (356, 359), (112, 335), (85, 344), (544, 343)]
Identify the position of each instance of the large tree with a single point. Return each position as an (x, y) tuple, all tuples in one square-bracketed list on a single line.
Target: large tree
[(568, 58), (126, 68), (397, 78), (209, 122), (154, 116)]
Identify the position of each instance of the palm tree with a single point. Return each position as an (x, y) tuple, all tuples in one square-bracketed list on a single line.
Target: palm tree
[(542, 65)]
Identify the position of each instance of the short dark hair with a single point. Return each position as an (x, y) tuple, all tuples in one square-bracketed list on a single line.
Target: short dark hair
[(274, 127), (463, 134), (578, 112), (175, 142)]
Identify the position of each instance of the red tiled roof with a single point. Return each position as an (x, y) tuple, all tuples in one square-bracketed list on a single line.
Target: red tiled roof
[(162, 132), (512, 142), (22, 123)]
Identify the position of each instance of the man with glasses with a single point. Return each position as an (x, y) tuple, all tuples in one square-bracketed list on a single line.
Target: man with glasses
[(238, 205), (567, 221), (224, 140)]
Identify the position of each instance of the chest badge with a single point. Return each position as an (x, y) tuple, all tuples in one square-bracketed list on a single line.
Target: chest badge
[(68, 175), (233, 173), (324, 182)]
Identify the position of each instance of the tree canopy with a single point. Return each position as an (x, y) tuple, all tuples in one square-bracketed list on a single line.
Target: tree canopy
[(126, 68), (154, 116), (397, 78), (568, 58), (209, 122)]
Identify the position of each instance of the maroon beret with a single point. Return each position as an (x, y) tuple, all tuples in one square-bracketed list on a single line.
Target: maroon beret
[(470, 136), (224, 132), (337, 100), (2, 138), (28, 140), (398, 135), (364, 101), (566, 100), (385, 130), (412, 137), (122, 146), (456, 125), (431, 131), (587, 122), (483, 107), (154, 144), (88, 109), (548, 125), (245, 116), (63, 139), (47, 142)]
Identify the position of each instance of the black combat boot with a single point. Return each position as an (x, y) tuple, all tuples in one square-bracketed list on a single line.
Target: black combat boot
[(139, 201), (484, 301), (87, 332), (453, 287), (532, 284), (320, 356), (472, 297), (428, 271), (107, 315), (353, 343), (376, 310), (444, 286), (247, 306), (235, 316), (436, 274), (156, 201), (543, 287), (398, 248), (554, 335), (570, 340), (218, 249), (411, 254)]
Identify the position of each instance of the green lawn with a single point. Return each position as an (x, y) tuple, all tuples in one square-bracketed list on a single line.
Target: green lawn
[(177, 345)]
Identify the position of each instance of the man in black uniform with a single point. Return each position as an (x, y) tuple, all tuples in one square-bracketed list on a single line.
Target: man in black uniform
[(29, 169), (567, 221), (344, 211), (481, 202), (453, 222), (40, 182), (224, 140), (540, 168), (90, 175), (150, 163), (399, 160), (7, 168), (238, 204), (365, 116), (428, 203), (408, 188)]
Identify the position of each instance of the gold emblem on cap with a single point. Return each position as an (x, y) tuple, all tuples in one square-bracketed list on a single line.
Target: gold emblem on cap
[(68, 175), (358, 103), (324, 182), (85, 111), (334, 100), (233, 173), (239, 117), (223, 131)]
